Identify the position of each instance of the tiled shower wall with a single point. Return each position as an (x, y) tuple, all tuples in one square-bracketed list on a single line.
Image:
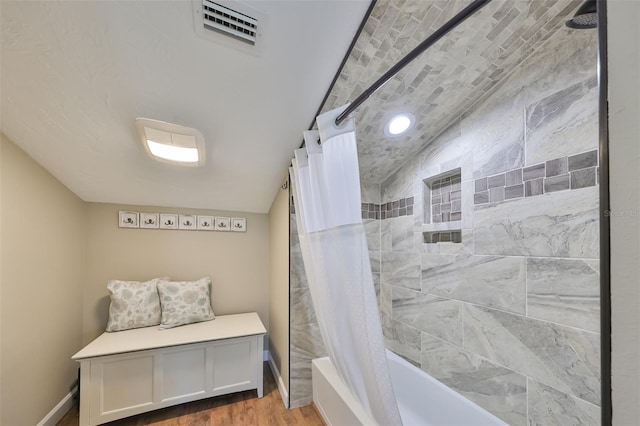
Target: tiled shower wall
[(510, 317)]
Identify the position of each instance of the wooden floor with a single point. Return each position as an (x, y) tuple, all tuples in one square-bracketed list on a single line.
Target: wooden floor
[(242, 408)]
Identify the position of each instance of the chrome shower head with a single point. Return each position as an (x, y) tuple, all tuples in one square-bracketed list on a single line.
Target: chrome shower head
[(585, 17)]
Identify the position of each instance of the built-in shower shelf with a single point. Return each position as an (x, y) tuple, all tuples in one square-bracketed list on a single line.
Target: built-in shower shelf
[(442, 226), (443, 212)]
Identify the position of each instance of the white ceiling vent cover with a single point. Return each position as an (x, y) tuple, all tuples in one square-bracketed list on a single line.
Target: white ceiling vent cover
[(230, 23)]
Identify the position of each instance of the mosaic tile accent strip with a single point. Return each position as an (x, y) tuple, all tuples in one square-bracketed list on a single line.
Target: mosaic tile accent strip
[(561, 174), (443, 237), (446, 194), (397, 208)]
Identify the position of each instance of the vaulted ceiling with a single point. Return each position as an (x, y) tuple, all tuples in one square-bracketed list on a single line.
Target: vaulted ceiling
[(75, 75)]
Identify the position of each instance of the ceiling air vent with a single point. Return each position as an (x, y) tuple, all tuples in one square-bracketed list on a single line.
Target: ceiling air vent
[(229, 22)]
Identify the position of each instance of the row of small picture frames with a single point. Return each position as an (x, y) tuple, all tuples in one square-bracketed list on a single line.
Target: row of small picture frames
[(181, 221)]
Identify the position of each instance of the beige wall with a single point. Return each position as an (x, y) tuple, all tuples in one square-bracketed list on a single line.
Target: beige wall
[(238, 263), (624, 145), (1, 403), (279, 284), (42, 271), (57, 254)]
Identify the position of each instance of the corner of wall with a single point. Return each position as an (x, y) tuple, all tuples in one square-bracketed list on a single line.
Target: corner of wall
[(44, 252), (2, 137), (279, 289), (284, 393)]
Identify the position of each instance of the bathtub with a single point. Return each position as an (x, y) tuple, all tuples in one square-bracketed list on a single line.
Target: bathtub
[(422, 400)]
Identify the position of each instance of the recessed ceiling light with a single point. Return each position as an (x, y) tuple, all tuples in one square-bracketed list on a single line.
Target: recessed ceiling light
[(171, 143), (399, 124)]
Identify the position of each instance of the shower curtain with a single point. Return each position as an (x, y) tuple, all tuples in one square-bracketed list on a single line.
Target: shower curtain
[(326, 186)]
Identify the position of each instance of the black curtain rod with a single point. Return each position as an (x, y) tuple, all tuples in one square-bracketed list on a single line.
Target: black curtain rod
[(427, 43), (342, 64)]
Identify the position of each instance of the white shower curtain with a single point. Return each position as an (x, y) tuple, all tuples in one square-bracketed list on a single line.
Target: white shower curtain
[(326, 186)]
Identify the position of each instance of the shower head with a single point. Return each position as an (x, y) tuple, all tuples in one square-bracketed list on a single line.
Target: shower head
[(585, 17)]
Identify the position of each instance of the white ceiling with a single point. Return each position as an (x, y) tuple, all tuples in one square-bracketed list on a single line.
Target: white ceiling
[(75, 75)]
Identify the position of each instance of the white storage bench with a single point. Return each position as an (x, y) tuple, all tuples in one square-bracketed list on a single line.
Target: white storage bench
[(134, 371)]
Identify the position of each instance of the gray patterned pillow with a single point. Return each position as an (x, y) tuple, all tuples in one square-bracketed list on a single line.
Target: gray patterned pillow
[(185, 302), (134, 304)]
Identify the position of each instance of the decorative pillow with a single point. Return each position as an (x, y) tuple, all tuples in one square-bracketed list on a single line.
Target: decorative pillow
[(185, 302), (134, 304)]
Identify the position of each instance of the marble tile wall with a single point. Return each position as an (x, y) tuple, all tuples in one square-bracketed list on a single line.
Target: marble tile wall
[(486, 382), (305, 341), (509, 317), (559, 224)]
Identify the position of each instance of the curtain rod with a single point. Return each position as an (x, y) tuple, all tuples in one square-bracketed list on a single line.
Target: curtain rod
[(427, 43), (342, 64)]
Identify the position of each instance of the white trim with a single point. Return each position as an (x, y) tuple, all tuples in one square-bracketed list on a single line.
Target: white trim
[(283, 390), (58, 412)]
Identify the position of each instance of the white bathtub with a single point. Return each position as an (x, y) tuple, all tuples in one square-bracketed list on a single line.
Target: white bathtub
[(422, 400)]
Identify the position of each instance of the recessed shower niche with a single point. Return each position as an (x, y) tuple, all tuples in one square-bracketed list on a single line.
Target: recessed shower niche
[(443, 209)]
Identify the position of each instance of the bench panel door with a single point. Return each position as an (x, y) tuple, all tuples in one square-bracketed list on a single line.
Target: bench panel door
[(234, 366), (122, 385), (183, 373)]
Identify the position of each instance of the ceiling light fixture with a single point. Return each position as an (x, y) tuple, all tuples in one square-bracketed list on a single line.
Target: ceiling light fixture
[(173, 153), (399, 124), (171, 143)]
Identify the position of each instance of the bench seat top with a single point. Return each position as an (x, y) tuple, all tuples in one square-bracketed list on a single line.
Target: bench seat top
[(140, 339)]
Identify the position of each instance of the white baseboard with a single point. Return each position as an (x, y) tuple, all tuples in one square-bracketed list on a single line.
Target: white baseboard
[(283, 390), (59, 410)]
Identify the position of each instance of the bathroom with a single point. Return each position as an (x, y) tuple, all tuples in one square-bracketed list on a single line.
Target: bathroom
[(489, 245), (499, 296)]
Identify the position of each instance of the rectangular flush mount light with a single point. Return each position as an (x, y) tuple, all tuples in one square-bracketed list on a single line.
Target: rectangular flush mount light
[(171, 143)]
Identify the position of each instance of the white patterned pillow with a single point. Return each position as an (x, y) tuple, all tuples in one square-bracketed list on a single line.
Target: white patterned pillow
[(185, 302), (134, 304)]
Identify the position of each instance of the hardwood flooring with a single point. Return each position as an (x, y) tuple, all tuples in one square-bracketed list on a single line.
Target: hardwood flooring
[(238, 409)]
